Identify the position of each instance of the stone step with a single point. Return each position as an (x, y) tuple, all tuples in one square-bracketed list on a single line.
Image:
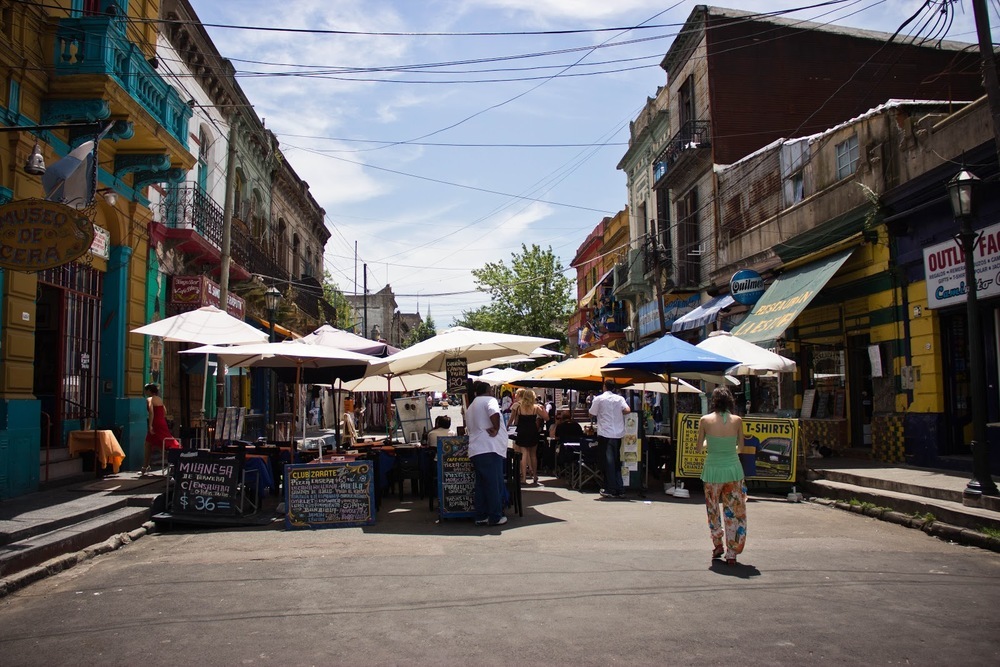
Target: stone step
[(948, 511), (923, 483), (68, 469), (54, 455), (36, 549)]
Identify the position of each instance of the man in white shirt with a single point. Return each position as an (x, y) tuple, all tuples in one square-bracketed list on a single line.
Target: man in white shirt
[(487, 450), (610, 409)]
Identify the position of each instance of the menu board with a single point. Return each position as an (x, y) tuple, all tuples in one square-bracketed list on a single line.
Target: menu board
[(456, 478), (207, 483), (330, 495), (458, 375)]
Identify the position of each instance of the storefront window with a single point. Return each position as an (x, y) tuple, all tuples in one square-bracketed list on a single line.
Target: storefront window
[(827, 377)]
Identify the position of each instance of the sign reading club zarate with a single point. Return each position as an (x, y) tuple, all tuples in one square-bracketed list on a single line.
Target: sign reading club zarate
[(36, 234)]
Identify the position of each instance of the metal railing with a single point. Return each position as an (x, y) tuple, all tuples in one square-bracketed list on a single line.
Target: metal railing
[(98, 45), (693, 135)]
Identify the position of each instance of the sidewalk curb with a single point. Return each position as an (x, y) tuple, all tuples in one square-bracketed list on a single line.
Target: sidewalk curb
[(55, 565), (938, 529)]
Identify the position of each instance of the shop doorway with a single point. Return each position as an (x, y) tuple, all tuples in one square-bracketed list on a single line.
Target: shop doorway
[(860, 361), (67, 349)]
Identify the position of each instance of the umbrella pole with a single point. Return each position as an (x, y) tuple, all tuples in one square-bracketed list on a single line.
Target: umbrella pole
[(336, 411), (204, 415)]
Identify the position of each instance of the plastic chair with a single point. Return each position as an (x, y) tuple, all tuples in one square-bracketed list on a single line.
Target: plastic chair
[(407, 467)]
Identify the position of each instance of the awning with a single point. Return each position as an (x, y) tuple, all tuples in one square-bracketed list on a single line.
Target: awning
[(278, 329), (788, 296), (589, 296), (703, 314)]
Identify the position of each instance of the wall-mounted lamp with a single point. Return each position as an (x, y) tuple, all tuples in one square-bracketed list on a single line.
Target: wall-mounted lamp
[(35, 164), (917, 311), (110, 196)]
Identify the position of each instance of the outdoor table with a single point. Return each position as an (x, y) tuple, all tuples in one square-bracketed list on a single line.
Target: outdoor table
[(104, 444)]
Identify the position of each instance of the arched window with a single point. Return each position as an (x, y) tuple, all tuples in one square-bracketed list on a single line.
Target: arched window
[(257, 218), (238, 187), (309, 262), (295, 256), (282, 245)]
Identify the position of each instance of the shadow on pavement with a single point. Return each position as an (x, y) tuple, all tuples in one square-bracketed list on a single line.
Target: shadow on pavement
[(740, 570)]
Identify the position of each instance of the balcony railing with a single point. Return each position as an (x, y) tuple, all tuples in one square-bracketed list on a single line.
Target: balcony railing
[(694, 135), (255, 258), (187, 207), (98, 45)]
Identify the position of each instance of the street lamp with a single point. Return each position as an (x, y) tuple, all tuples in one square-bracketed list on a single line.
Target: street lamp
[(961, 189), (630, 337), (272, 299)]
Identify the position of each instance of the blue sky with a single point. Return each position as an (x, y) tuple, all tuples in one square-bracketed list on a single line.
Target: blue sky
[(436, 170)]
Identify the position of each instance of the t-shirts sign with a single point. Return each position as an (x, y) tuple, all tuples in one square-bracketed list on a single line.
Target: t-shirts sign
[(207, 484), (330, 495), (456, 478)]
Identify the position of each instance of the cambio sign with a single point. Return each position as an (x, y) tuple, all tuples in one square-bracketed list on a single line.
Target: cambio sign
[(944, 266)]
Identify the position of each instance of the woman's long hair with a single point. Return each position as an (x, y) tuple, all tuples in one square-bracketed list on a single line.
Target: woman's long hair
[(722, 400), (527, 402)]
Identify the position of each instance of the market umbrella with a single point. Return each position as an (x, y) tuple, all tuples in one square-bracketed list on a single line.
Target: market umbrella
[(332, 362), (752, 358), (476, 347), (498, 376), (479, 348), (669, 355), (329, 336), (400, 383), (206, 326)]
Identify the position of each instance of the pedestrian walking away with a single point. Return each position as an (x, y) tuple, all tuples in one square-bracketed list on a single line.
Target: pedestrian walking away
[(721, 433), (609, 410), (529, 418), (487, 451)]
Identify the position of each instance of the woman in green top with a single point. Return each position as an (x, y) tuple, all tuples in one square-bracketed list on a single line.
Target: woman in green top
[(721, 433)]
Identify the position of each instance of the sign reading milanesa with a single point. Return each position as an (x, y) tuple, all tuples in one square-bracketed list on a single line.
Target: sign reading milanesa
[(37, 235)]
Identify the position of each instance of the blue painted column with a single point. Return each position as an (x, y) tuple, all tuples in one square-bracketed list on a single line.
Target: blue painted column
[(116, 411)]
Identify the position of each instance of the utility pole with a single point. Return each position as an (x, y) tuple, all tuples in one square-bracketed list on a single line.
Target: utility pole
[(990, 80), (364, 298), (227, 235)]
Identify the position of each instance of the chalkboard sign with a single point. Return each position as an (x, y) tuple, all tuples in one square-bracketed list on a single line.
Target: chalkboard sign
[(808, 401), (456, 478), (207, 483), (458, 375), (330, 495)]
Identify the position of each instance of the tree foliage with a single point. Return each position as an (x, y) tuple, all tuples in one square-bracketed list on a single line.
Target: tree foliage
[(422, 331), (531, 297), (336, 298)]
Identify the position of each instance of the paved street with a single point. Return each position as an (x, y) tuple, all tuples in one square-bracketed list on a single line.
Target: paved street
[(577, 581)]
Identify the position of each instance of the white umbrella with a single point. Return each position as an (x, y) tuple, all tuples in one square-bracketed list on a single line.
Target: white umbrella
[(676, 386), (497, 376), (400, 383), (207, 326), (475, 346), (292, 354), (754, 359)]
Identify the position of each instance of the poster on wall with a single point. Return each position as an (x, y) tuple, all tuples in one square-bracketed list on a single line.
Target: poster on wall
[(770, 448)]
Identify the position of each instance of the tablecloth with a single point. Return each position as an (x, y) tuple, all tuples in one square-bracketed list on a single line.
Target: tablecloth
[(104, 444)]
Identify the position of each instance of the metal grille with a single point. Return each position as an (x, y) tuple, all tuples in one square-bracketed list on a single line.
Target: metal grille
[(80, 338)]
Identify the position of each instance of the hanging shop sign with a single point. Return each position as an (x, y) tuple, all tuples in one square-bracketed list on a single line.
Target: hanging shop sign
[(36, 235), (198, 291), (944, 266), (746, 286)]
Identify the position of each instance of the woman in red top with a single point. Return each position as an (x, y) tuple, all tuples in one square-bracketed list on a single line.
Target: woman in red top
[(158, 433)]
